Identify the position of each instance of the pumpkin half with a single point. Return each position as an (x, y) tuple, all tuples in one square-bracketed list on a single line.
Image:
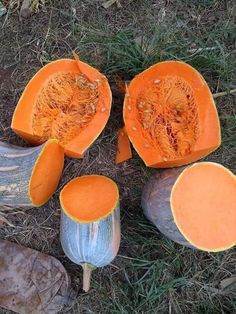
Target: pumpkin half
[(90, 222), (29, 176), (170, 115), (67, 100), (194, 205)]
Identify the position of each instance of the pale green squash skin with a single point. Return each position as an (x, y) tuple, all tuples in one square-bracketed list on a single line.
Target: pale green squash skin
[(93, 244), (16, 166), (156, 204)]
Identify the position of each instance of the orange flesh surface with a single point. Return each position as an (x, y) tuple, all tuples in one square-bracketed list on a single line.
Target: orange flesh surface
[(89, 198), (203, 202), (46, 173), (168, 113), (65, 105), (123, 147)]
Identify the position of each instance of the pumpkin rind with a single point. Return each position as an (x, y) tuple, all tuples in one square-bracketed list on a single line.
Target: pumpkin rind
[(95, 243), (208, 136), (156, 204), (79, 142), (18, 173)]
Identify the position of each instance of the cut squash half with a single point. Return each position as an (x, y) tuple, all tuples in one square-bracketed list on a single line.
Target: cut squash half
[(29, 176), (90, 222), (194, 205), (67, 100), (170, 115)]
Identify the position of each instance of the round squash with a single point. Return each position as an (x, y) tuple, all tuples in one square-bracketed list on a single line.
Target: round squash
[(29, 176), (67, 100), (170, 115), (90, 222), (194, 206)]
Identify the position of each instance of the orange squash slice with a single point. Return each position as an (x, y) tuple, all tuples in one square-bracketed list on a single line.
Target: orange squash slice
[(123, 147)]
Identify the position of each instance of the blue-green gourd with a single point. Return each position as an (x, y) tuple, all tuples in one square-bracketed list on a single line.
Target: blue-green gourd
[(90, 222)]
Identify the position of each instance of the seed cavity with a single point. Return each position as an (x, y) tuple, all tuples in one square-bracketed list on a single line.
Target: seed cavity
[(168, 113), (65, 105)]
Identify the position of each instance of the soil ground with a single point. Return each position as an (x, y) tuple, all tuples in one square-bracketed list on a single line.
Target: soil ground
[(150, 274)]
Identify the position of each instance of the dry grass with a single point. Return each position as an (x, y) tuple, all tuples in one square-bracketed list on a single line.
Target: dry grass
[(150, 274)]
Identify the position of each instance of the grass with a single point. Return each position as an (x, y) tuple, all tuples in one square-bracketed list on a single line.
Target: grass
[(230, 135), (150, 274), (130, 51)]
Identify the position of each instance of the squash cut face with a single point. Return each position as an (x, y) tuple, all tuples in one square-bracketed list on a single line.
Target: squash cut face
[(168, 113), (203, 204), (67, 100), (89, 198), (46, 173)]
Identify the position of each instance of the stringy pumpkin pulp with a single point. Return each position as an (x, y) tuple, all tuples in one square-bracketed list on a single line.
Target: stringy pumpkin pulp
[(65, 106), (168, 114)]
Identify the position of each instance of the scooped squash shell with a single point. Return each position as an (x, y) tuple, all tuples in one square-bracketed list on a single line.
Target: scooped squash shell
[(67, 100), (170, 115)]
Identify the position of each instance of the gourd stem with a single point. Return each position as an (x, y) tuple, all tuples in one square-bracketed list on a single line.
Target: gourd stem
[(87, 272)]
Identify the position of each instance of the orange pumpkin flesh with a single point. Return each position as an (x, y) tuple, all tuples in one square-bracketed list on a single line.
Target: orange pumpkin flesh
[(203, 204), (123, 147), (170, 115), (46, 173), (67, 100), (89, 198)]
